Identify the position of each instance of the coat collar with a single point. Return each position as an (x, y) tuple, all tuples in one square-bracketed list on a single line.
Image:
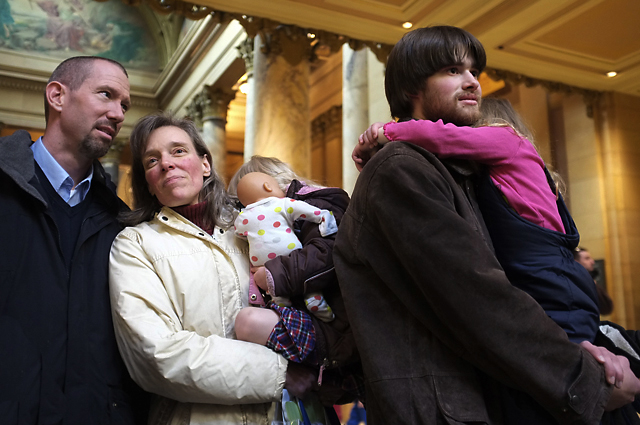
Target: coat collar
[(16, 160)]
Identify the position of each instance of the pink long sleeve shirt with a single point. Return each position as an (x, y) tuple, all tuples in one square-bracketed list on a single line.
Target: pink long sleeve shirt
[(514, 164)]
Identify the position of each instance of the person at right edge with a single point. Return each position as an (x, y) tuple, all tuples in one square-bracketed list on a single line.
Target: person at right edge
[(583, 257), (443, 335)]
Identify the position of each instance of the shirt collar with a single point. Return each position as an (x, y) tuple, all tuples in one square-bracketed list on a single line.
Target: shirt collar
[(60, 180)]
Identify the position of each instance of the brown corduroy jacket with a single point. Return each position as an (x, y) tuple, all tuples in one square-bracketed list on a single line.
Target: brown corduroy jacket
[(439, 328)]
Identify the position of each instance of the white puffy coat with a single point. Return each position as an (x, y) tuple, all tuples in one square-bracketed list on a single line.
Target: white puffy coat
[(175, 294)]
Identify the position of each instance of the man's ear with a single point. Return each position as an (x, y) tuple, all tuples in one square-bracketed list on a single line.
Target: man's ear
[(56, 93)]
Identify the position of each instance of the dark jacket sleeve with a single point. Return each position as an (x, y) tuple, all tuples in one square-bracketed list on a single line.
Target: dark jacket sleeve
[(605, 303), (437, 263), (309, 269)]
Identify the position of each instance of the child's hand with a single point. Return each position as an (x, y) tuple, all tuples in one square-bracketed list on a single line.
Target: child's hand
[(260, 277), (368, 144)]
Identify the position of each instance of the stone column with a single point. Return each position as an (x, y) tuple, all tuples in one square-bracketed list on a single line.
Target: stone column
[(246, 51), (111, 161), (214, 103), (355, 109), (282, 118)]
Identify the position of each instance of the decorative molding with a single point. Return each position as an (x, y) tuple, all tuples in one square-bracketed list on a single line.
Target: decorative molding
[(165, 30), (329, 118), (144, 102), (296, 44), (39, 87), (293, 42), (22, 85), (590, 97), (188, 10)]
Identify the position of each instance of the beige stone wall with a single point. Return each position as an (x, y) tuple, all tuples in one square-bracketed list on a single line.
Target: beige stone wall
[(603, 157), (585, 184), (619, 137), (325, 95), (584, 175), (533, 107), (601, 170), (325, 85)]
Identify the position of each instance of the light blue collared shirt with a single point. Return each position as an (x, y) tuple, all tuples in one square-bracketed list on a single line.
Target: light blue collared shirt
[(58, 177)]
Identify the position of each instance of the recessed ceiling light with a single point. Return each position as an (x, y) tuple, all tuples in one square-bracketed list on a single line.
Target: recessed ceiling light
[(611, 74), (407, 25), (311, 35)]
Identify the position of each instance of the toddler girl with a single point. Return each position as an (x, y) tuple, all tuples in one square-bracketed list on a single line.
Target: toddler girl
[(529, 224)]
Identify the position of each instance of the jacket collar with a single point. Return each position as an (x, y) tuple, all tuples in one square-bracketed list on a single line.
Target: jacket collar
[(168, 217), (16, 160), (462, 167)]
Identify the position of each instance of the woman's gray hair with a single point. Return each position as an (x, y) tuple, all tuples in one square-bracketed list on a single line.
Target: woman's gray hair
[(218, 210)]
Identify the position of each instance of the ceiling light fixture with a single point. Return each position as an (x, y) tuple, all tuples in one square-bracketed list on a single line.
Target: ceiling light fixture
[(611, 74), (243, 87), (407, 25)]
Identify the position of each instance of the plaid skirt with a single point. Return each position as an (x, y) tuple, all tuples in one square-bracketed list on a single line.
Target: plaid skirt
[(294, 337)]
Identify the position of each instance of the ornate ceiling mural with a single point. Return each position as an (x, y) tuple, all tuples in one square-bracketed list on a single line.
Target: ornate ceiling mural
[(64, 28)]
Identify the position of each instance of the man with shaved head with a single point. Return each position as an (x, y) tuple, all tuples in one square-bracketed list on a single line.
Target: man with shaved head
[(59, 363)]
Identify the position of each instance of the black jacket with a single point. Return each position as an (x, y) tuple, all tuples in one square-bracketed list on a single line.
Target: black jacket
[(59, 362)]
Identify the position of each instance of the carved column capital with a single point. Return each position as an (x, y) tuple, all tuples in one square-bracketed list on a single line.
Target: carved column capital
[(210, 104), (288, 41), (202, 102), (245, 51), (217, 103), (195, 113)]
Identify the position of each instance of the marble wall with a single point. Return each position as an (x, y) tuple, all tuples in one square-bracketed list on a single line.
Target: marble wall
[(619, 152)]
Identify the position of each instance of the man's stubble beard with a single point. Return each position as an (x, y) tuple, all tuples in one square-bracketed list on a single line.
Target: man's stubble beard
[(93, 147), (433, 109)]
